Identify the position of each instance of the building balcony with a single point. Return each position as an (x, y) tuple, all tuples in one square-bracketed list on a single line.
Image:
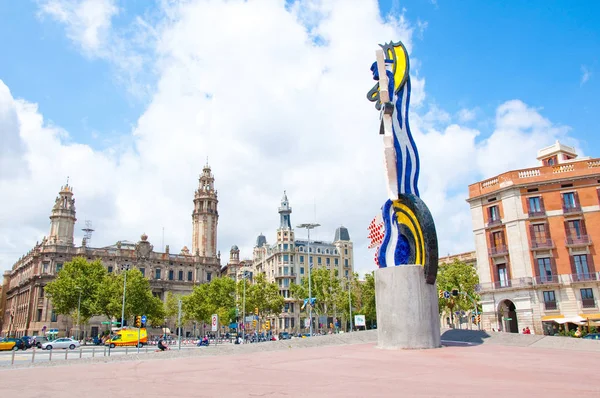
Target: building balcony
[(583, 277), (494, 223), (547, 280), (588, 303), (572, 209), (537, 213), (510, 284), (285, 275), (542, 244), (500, 250), (580, 240), (550, 305)]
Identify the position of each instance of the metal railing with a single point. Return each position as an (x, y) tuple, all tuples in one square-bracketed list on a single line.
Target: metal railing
[(583, 277), (546, 279), (495, 222), (537, 213), (550, 305), (507, 284), (580, 240), (588, 303), (498, 250), (572, 209), (542, 244)]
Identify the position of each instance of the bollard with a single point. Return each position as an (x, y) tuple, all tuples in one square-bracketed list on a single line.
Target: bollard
[(50, 356), (93, 351), (80, 352), (104, 350), (33, 356), (66, 353), (12, 361), (146, 349), (126, 348)]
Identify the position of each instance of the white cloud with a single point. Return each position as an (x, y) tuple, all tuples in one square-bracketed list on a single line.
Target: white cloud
[(466, 115), (274, 108), (87, 22), (585, 74)]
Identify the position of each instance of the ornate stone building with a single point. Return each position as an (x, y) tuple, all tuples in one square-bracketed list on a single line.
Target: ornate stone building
[(26, 310), (536, 237), (286, 262)]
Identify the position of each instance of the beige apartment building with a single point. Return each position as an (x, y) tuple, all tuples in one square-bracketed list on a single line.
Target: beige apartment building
[(27, 310), (536, 235), (286, 261)]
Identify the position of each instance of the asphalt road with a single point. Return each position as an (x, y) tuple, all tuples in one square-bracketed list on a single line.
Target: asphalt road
[(37, 355)]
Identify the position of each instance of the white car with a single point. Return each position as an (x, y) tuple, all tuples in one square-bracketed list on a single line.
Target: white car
[(63, 342)]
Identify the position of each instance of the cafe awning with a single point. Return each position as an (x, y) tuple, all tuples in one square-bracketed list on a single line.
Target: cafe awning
[(591, 317)]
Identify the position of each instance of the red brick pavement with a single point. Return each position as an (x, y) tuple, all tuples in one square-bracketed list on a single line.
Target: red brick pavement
[(338, 371)]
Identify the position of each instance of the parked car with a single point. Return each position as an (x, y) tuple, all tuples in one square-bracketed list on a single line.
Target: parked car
[(63, 342), (11, 343), (39, 340), (27, 340), (592, 336), (284, 336)]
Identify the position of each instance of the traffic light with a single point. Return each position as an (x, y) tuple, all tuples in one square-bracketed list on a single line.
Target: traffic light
[(441, 294), (267, 325), (254, 323), (455, 292), (138, 321), (477, 319), (256, 311)]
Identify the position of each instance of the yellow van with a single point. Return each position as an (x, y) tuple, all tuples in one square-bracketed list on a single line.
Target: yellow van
[(127, 337)]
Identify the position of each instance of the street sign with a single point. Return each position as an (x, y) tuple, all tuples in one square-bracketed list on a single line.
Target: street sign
[(214, 323), (446, 295), (144, 319), (359, 320)]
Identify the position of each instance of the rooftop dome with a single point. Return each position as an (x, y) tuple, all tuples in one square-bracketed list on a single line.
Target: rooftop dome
[(341, 234), (234, 248), (261, 240)]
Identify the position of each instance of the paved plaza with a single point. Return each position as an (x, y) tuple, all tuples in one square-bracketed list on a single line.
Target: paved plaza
[(358, 370)]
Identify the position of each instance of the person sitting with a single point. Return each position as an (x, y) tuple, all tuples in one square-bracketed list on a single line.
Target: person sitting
[(203, 342), (162, 345)]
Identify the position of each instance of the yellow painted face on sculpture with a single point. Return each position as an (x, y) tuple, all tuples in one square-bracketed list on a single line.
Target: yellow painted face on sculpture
[(396, 56)]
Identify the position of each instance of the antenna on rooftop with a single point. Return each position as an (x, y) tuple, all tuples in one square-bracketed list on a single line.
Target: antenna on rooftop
[(88, 231)]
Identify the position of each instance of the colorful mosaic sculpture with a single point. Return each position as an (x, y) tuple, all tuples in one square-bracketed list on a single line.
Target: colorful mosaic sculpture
[(404, 232)]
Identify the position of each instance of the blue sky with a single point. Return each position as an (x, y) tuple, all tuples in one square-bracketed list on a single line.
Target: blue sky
[(475, 54), (121, 87)]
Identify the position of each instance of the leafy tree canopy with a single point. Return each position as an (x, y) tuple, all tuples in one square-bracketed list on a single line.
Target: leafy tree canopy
[(461, 276)]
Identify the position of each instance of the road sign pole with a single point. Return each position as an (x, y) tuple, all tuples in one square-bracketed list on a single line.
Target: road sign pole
[(138, 344), (179, 323)]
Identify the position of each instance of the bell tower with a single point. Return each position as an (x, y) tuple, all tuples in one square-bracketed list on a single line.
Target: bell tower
[(62, 218), (205, 216)]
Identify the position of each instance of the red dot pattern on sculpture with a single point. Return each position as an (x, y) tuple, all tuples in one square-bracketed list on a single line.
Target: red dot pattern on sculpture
[(376, 232)]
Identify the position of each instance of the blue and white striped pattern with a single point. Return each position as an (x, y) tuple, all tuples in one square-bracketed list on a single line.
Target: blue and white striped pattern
[(407, 157)]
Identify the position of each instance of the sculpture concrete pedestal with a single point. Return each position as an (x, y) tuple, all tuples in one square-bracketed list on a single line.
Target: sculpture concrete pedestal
[(407, 309)]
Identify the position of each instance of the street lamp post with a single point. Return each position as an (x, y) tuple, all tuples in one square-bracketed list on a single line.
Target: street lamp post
[(244, 309), (308, 227), (78, 314), (350, 301), (124, 268)]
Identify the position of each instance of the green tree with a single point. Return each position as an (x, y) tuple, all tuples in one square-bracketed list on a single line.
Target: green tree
[(462, 277), (221, 298), (196, 305), (264, 296), (139, 299), (216, 297), (78, 277), (328, 291), (367, 291)]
